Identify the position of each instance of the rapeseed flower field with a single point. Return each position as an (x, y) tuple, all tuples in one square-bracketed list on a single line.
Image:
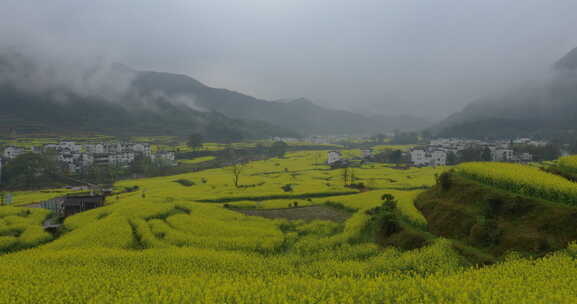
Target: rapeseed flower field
[(173, 243), (521, 179)]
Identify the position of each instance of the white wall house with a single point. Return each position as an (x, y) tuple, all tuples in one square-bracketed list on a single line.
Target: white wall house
[(366, 153), (47, 147), (121, 159), (142, 148), (422, 157), (438, 158), (12, 152), (164, 157), (526, 157), (94, 148), (419, 157), (502, 155), (333, 157), (86, 160), (70, 145)]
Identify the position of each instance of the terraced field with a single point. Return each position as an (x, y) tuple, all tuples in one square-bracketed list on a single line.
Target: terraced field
[(178, 242), (521, 179)]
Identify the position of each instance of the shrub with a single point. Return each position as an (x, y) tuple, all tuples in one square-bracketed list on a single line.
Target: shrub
[(445, 181), (384, 219), (185, 182), (340, 206), (131, 189), (358, 186), (388, 197), (485, 232)]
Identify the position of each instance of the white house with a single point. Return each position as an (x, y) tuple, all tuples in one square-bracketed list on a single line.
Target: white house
[(12, 152), (164, 157), (423, 157), (86, 160), (47, 147), (503, 155), (66, 156), (438, 158), (526, 157), (70, 145), (333, 157), (142, 148), (121, 159), (95, 148), (366, 153), (419, 157)]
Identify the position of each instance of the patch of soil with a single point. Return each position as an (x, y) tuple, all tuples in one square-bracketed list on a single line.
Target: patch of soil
[(307, 213)]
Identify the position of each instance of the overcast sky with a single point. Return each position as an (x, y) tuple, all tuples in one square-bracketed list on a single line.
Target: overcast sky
[(421, 57)]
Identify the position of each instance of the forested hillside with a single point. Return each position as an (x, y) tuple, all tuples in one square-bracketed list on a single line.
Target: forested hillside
[(546, 108), (25, 112)]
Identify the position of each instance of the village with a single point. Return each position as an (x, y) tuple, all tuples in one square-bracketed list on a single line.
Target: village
[(447, 151), (75, 157)]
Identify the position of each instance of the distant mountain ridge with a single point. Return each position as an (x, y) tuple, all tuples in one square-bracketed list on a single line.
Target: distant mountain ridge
[(300, 115), (29, 113), (538, 110), (118, 100)]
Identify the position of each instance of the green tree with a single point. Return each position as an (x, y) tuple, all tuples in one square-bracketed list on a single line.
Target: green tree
[(140, 165), (278, 149), (396, 157), (486, 155), (470, 155), (195, 141), (451, 158), (29, 170)]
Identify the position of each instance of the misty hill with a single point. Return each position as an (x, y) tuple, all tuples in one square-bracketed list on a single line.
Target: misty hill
[(539, 109), (300, 115), (40, 96), (33, 113)]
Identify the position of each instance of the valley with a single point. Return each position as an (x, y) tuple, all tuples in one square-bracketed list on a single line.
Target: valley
[(209, 241)]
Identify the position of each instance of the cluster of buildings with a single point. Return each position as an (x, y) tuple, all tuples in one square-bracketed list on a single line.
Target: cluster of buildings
[(335, 159), (437, 152), (75, 157)]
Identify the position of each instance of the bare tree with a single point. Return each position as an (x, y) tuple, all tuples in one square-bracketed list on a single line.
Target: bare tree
[(352, 176), (347, 175), (236, 170)]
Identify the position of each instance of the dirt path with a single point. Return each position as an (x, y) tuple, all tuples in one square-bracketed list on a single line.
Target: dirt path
[(307, 213)]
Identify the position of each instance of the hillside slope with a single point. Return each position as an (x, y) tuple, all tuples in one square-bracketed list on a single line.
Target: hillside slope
[(495, 220), (535, 110), (26, 112), (39, 94), (300, 114)]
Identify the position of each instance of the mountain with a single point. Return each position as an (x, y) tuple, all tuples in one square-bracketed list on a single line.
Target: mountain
[(27, 112), (540, 109), (300, 115), (42, 96), (38, 95)]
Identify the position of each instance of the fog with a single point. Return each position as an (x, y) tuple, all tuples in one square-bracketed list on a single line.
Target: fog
[(421, 57)]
